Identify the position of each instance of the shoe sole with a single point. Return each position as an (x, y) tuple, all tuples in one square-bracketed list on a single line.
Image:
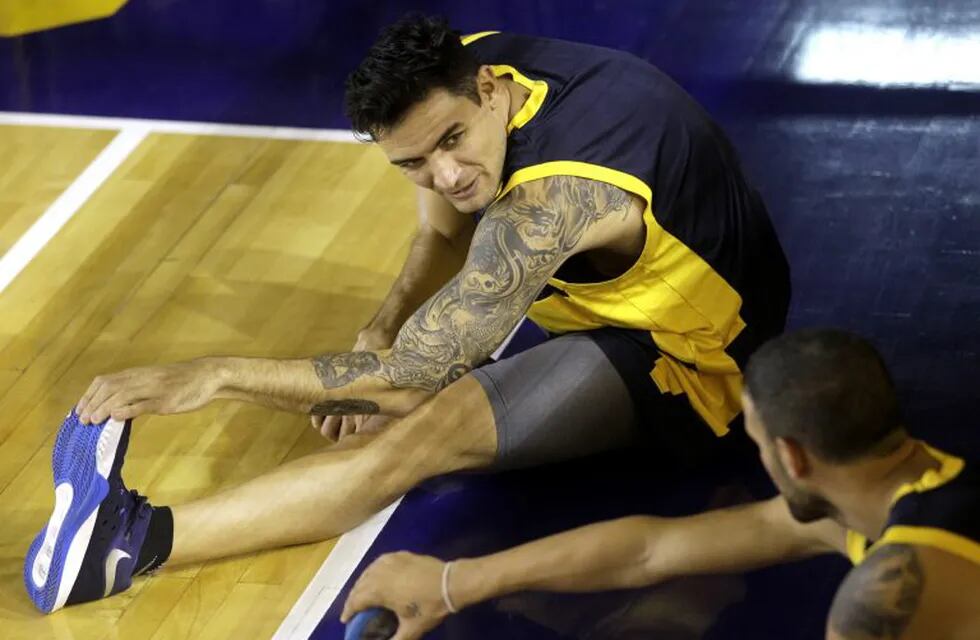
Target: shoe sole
[(82, 459)]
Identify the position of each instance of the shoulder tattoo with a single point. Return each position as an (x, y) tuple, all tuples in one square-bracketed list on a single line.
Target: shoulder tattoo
[(878, 599)]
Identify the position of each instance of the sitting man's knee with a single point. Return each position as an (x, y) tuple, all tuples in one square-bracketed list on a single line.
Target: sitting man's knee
[(452, 431)]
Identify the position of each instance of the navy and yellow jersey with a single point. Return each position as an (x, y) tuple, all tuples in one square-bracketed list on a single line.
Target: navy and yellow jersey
[(940, 510), (711, 283)]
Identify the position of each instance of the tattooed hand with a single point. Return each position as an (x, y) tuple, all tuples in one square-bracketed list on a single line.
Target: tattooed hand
[(517, 247), (408, 584), (879, 597)]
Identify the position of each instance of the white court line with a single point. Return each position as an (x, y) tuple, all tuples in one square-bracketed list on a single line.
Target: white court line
[(69, 202), (177, 126), (323, 589), (336, 570)]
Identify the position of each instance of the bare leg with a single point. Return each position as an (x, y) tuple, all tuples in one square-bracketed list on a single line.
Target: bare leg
[(325, 494)]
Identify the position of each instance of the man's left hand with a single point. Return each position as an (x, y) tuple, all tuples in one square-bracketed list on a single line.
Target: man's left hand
[(409, 585)]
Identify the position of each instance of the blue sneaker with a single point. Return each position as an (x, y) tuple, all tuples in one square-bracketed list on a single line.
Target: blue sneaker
[(89, 547)]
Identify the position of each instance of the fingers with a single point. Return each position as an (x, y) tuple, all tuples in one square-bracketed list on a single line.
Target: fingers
[(373, 424), (118, 405), (337, 428), (404, 583), (367, 591), (133, 410), (108, 395), (164, 389), (348, 426), (363, 425), (410, 627), (82, 407), (406, 631), (362, 596), (104, 401), (330, 428)]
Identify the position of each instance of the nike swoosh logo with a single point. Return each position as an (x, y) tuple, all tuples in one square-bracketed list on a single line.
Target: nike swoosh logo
[(111, 562)]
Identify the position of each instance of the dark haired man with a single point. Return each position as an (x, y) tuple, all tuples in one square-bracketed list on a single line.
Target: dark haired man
[(612, 210), (822, 409)]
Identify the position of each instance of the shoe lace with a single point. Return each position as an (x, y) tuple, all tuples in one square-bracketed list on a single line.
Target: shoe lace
[(138, 509)]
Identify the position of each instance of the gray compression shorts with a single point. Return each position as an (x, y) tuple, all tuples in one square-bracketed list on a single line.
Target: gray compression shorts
[(584, 393)]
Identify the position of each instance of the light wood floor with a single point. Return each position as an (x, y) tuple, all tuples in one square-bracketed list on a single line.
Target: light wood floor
[(36, 165), (194, 246)]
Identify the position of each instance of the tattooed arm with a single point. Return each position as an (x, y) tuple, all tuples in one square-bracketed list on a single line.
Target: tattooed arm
[(879, 598), (520, 243), (437, 254)]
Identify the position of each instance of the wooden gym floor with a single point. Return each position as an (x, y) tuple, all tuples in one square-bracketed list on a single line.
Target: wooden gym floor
[(194, 245)]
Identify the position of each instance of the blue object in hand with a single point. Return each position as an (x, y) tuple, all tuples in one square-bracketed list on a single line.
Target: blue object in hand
[(372, 624)]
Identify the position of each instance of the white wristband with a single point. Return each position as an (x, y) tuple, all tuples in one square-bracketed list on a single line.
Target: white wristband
[(445, 588)]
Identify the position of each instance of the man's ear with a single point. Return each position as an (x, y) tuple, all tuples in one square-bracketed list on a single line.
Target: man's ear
[(486, 85), (794, 458)]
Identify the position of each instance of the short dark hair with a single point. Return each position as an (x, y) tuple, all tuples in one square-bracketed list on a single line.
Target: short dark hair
[(827, 389), (410, 58)]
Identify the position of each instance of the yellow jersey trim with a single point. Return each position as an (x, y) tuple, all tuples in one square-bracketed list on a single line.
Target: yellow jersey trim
[(855, 545), (931, 537), (538, 89), (712, 383), (473, 37), (576, 169), (949, 467)]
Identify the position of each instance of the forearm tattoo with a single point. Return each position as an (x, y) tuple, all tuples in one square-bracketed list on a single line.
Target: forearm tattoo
[(338, 369), (518, 245), (878, 599), (345, 408)]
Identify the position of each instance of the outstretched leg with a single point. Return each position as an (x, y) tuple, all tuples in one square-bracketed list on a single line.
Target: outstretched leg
[(325, 494), (559, 400), (565, 398), (101, 534)]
